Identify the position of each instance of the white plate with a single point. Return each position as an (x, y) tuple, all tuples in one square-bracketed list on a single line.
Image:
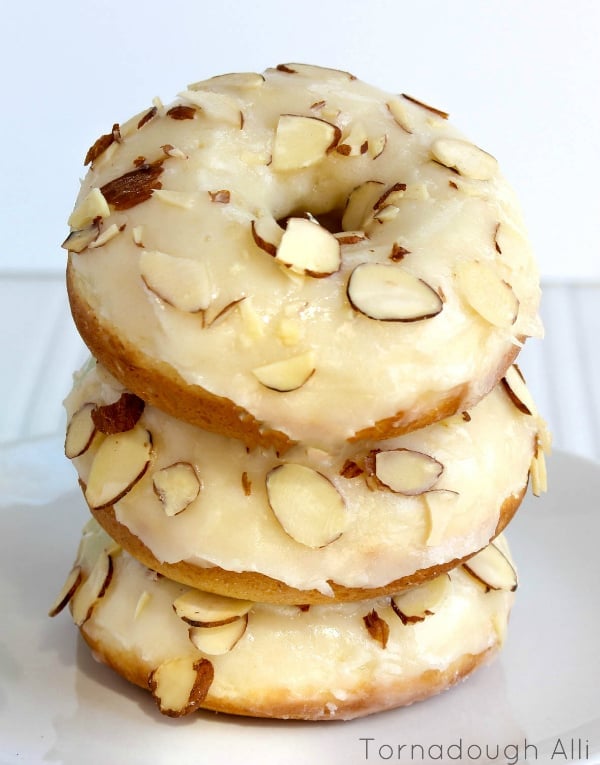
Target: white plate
[(540, 698)]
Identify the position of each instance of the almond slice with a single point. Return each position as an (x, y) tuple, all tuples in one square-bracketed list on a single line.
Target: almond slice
[(177, 486), (80, 431), (180, 282), (120, 416), (216, 105), (315, 72), (493, 569), (302, 141), (207, 609), (387, 292), (407, 472), (400, 114), (487, 293), (287, 375), (464, 157), (92, 206), (377, 627), (78, 240), (360, 204), (92, 589), (355, 142), (377, 146), (267, 234), (218, 640), (120, 462), (306, 504), (179, 686), (67, 591), (516, 387), (440, 504), (308, 248), (425, 600)]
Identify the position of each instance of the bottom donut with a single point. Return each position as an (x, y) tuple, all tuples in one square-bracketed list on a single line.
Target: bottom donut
[(195, 650)]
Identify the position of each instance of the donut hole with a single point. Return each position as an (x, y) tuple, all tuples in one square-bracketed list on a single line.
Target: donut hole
[(330, 220)]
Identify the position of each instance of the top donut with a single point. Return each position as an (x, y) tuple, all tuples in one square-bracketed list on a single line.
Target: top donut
[(299, 256)]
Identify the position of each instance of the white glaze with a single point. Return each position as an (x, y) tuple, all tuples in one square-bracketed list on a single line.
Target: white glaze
[(486, 460), (322, 657), (366, 370)]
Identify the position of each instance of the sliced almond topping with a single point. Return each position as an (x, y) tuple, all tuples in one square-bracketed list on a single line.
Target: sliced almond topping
[(288, 374), (177, 486), (425, 600), (377, 627), (400, 114), (267, 234), (120, 462), (302, 141), (173, 151), (516, 387), (218, 313), (179, 686), (314, 72), (387, 292), (391, 196), (407, 472), (377, 146), (92, 206), (308, 248), (221, 197), (137, 233), (538, 473), (92, 589), (439, 112), (216, 105), (77, 241), (355, 142), (120, 416), (346, 238), (80, 432), (134, 187), (181, 282), (182, 199), (464, 157), (351, 469), (109, 233), (67, 591), (99, 147), (206, 609), (398, 252), (487, 293), (242, 80), (359, 206), (181, 112), (440, 504), (218, 640), (147, 116), (493, 569), (246, 484), (306, 504)]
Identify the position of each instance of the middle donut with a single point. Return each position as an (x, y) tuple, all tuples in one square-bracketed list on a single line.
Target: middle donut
[(370, 519)]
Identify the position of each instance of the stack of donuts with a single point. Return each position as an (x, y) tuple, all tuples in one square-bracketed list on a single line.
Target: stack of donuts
[(302, 430)]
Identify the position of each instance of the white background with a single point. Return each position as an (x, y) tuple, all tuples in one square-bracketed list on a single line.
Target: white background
[(520, 78)]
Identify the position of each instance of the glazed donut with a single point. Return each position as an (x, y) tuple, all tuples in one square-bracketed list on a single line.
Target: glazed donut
[(194, 650), (299, 257), (203, 510)]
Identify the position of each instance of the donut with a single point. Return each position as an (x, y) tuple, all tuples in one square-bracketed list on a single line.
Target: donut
[(194, 650), (299, 257), (308, 527)]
